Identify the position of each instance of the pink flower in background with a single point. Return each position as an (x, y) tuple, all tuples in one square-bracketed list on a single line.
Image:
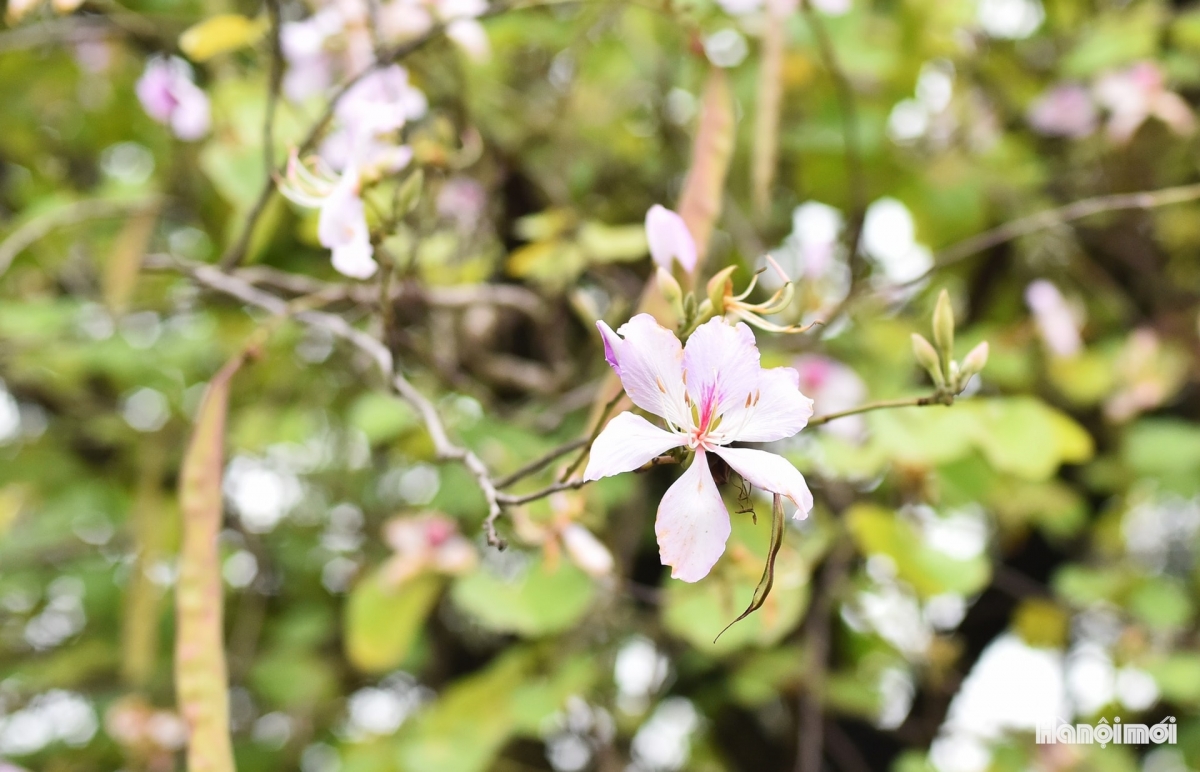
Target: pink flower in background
[(1056, 321), (380, 102), (563, 533), (426, 542), (408, 19), (462, 200), (1066, 110), (169, 96), (310, 66), (669, 239), (833, 387), (711, 393), (1137, 93)]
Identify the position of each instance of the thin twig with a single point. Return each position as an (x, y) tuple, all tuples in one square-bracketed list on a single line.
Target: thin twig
[(510, 499), (600, 422), (1087, 207), (855, 176), (540, 463), (444, 448), (931, 399), (274, 85), (810, 744), (71, 214)]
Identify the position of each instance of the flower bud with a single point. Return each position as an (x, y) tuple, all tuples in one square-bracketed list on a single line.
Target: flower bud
[(943, 326), (720, 286), (974, 363), (927, 357), (670, 290)]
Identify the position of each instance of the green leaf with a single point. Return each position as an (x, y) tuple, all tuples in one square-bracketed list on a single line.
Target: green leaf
[(220, 34), (1178, 677), (612, 243), (929, 571), (383, 622), (1161, 604), (537, 602), (381, 417)]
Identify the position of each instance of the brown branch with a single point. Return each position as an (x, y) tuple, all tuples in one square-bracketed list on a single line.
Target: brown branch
[(944, 398), (274, 84), (855, 175), (1078, 210), (540, 463), (444, 448), (810, 739)]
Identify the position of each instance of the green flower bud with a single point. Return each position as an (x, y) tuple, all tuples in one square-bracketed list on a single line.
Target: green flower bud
[(927, 357), (670, 290), (943, 327), (973, 364), (720, 286)]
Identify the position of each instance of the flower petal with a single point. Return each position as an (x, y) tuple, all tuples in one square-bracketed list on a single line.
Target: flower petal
[(669, 239), (627, 442), (692, 524), (771, 473), (720, 367), (648, 359), (778, 409)]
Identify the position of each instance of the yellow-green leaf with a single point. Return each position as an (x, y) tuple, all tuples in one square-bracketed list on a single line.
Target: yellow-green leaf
[(220, 34)]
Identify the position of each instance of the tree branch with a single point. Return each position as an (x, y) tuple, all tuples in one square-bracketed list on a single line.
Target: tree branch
[(931, 399), (855, 176), (444, 448), (1078, 210)]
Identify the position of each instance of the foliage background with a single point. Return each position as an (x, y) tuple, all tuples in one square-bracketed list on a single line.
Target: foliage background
[(1032, 515)]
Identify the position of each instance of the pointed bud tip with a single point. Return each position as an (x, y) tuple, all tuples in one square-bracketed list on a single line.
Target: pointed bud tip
[(943, 324)]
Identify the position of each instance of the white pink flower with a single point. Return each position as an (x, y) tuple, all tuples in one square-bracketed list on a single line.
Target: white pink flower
[(342, 222), (426, 542), (669, 239), (833, 387), (1067, 110), (408, 19), (710, 393), (1136, 94), (1056, 321), (169, 96)]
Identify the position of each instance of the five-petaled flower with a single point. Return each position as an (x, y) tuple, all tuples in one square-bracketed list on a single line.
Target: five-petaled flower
[(711, 392)]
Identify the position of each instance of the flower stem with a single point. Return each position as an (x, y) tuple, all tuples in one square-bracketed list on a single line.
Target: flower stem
[(937, 398)]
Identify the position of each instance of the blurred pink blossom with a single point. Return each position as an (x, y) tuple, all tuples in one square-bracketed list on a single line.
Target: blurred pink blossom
[(426, 542), (1067, 110), (169, 96), (342, 222), (1056, 321), (462, 200), (309, 64), (408, 19), (833, 387), (1137, 93), (669, 239)]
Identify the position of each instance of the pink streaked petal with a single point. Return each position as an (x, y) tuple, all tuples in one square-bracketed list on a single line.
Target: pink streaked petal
[(771, 473), (779, 409), (669, 239), (648, 359), (720, 364), (628, 442), (692, 524)]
